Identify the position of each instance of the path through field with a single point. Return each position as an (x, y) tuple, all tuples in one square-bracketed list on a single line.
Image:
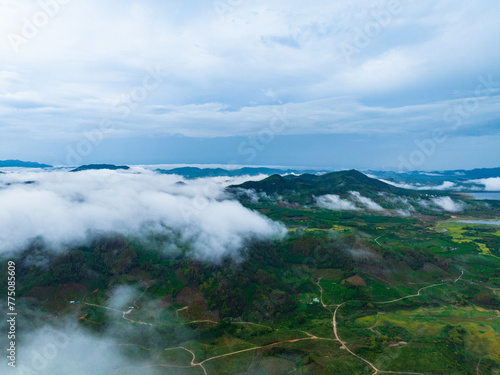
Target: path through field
[(343, 344)]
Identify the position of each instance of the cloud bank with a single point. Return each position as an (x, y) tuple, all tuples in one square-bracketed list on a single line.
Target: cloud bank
[(65, 208), (446, 185), (335, 203), (367, 202), (490, 184), (64, 346), (68, 349), (448, 204), (484, 184)]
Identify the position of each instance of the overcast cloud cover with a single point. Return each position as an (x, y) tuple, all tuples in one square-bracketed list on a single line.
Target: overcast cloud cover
[(177, 80), (67, 208)]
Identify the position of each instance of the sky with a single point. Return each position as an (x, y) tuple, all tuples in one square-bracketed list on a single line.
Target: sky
[(395, 85)]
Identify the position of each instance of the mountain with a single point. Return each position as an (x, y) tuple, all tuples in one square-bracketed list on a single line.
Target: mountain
[(92, 167), (477, 173), (305, 187), (193, 172), (460, 177), (22, 164)]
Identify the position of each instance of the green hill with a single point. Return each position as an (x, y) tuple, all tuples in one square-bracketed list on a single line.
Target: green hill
[(304, 188), (92, 167), (194, 172), (21, 164)]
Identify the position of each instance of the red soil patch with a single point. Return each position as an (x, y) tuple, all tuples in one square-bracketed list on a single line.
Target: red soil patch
[(355, 280), (197, 305)]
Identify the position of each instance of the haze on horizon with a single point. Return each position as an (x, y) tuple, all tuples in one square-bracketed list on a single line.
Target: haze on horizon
[(367, 85)]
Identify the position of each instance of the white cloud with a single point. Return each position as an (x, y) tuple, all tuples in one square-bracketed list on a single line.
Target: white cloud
[(446, 185), (404, 213), (367, 202), (363, 255), (204, 93), (66, 349), (490, 184), (62, 345), (252, 195), (121, 297), (400, 185), (423, 203), (335, 203), (65, 208), (448, 204)]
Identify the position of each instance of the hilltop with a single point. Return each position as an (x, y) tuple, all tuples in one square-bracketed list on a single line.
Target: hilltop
[(304, 188), (22, 164), (194, 172), (92, 167)]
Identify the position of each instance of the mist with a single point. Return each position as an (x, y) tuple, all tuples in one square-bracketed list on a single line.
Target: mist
[(446, 185), (448, 204), (64, 348), (62, 345), (490, 184), (66, 209), (335, 203), (367, 202)]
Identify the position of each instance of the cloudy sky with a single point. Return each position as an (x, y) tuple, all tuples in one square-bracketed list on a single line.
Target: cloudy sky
[(337, 84)]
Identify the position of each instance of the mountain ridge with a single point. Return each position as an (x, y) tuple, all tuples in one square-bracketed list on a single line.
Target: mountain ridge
[(304, 188), (96, 167), (195, 172), (13, 163)]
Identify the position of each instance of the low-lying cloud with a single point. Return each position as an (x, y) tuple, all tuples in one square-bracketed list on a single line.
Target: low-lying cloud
[(65, 208), (254, 196), (448, 204), (64, 345), (490, 184), (67, 349), (335, 203), (367, 202), (446, 185), (484, 184)]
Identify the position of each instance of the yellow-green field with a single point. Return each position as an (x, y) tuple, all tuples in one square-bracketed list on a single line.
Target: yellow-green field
[(482, 325), (458, 232)]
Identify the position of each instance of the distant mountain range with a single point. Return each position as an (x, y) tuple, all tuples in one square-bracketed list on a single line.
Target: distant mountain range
[(460, 177), (458, 180), (304, 188), (21, 164), (419, 179), (95, 167), (193, 172)]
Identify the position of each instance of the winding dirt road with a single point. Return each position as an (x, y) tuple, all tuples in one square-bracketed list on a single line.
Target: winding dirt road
[(200, 364), (343, 344), (410, 296)]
